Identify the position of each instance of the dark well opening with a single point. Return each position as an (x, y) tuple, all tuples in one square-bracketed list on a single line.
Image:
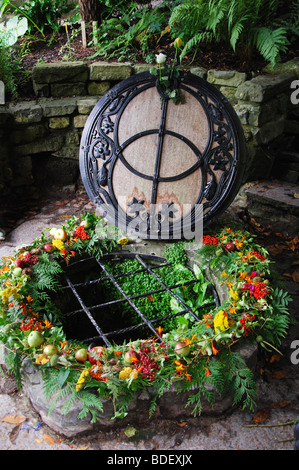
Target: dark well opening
[(125, 296)]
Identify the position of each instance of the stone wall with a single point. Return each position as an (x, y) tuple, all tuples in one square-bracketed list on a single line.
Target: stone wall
[(39, 139)]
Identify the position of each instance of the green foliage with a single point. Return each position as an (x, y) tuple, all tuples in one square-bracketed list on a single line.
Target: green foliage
[(45, 14), (60, 384), (10, 31), (157, 304), (133, 30), (241, 24)]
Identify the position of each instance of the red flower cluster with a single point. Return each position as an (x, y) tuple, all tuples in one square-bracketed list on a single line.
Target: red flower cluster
[(209, 240), (246, 318), (30, 259), (81, 233), (96, 372), (31, 324), (257, 255), (260, 291), (148, 366)]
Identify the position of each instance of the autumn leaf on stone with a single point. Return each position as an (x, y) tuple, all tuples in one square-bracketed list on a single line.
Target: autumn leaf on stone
[(261, 416), (48, 439), (14, 419)]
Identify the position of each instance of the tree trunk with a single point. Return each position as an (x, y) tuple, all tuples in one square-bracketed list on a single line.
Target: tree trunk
[(90, 10)]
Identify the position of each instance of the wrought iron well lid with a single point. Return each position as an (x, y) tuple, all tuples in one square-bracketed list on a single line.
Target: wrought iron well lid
[(158, 169)]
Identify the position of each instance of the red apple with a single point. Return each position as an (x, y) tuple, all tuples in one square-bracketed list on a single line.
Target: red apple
[(95, 354), (131, 356), (230, 247), (48, 247)]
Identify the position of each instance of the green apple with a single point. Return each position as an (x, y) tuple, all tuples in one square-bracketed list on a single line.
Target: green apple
[(81, 355), (50, 350), (85, 224), (181, 349), (17, 272), (35, 339)]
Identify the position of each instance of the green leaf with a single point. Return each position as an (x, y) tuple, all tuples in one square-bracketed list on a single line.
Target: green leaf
[(62, 377)]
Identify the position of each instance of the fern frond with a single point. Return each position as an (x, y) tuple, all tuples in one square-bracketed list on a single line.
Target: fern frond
[(271, 42)]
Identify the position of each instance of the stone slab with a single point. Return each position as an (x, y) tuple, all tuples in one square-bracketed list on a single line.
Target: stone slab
[(230, 78), (58, 107), (264, 87), (60, 72), (110, 71), (274, 203)]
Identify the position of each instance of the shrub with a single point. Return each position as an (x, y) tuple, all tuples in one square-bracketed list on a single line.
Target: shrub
[(240, 23)]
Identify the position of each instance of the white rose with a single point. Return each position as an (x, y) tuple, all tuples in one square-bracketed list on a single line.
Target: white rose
[(160, 58)]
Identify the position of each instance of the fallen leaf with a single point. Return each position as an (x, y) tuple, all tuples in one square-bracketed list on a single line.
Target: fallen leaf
[(279, 374), (275, 358), (296, 195), (130, 431), (281, 404), (82, 448), (261, 416), (38, 441), (48, 439), (14, 433), (14, 419), (295, 276), (182, 424)]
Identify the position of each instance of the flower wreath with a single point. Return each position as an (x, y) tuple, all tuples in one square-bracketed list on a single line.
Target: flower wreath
[(192, 356)]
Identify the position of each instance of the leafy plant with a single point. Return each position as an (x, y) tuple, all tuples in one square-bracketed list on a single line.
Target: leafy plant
[(10, 31), (134, 30), (241, 24), (45, 14)]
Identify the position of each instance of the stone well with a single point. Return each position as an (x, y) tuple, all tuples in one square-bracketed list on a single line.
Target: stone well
[(171, 405)]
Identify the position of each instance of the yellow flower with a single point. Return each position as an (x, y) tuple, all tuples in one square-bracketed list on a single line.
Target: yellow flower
[(7, 293), (128, 372), (220, 321), (81, 379), (178, 43), (41, 359), (243, 275), (123, 241), (58, 244), (234, 294), (239, 244)]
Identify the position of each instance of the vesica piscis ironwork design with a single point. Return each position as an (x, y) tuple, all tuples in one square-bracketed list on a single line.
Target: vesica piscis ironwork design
[(151, 165)]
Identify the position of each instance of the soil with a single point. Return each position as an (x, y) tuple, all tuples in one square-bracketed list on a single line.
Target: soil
[(210, 56)]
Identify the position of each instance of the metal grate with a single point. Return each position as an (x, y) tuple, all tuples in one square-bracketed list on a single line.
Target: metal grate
[(85, 314)]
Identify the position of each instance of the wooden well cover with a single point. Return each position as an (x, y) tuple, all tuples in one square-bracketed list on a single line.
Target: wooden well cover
[(157, 168)]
